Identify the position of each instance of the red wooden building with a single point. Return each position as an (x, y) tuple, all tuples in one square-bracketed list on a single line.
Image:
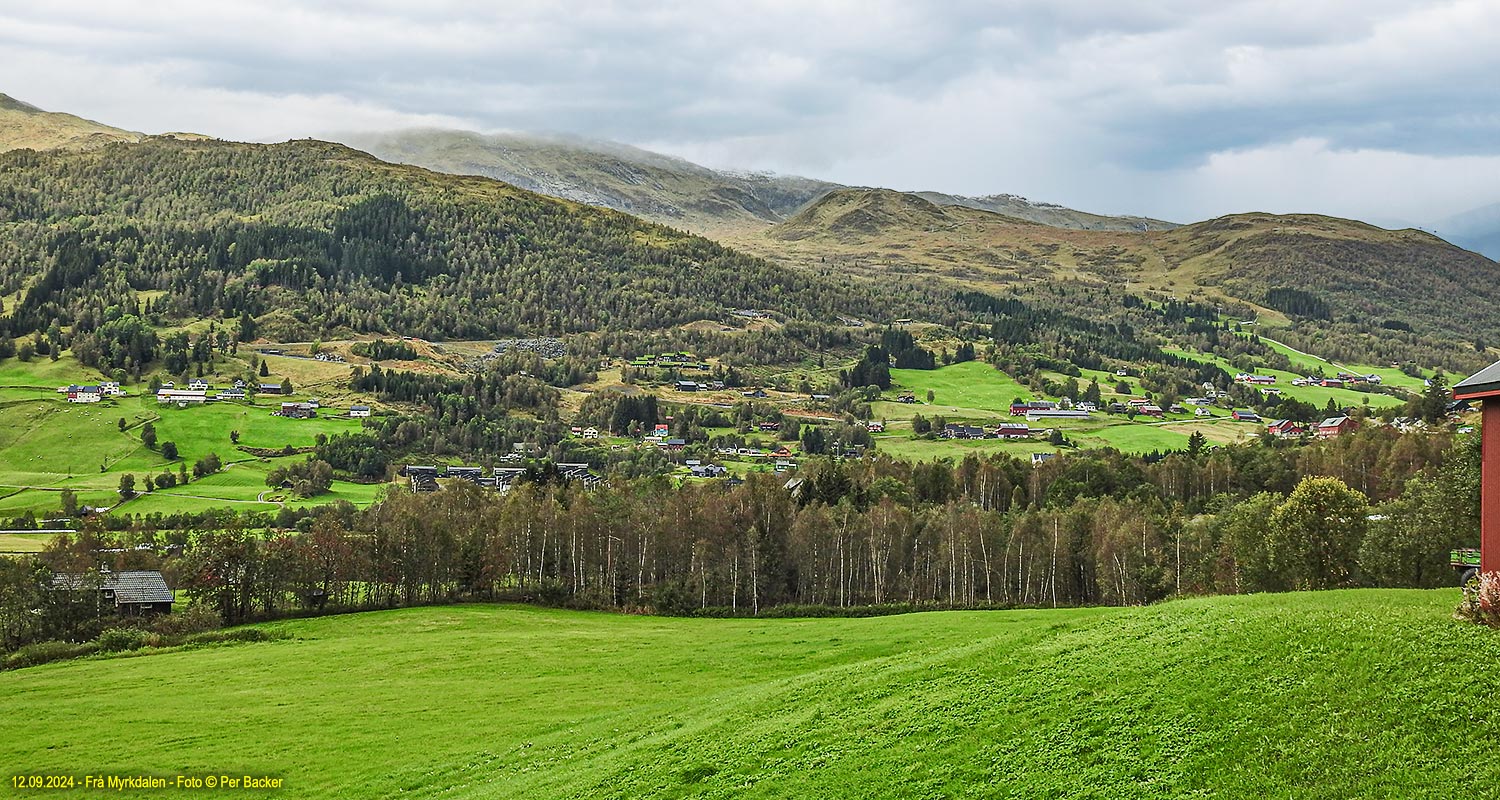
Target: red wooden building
[(1484, 386)]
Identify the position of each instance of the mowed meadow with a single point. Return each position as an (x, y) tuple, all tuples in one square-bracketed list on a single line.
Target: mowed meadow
[(1362, 693)]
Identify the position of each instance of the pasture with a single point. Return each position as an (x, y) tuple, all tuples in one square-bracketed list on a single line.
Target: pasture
[(1318, 695)]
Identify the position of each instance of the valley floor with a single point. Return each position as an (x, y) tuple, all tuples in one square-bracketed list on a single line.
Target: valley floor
[(1335, 694)]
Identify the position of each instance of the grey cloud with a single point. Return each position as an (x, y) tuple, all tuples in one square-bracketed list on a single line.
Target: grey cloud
[(1092, 103)]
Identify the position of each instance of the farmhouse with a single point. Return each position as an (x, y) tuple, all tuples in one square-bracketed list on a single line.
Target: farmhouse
[(1332, 383), (875, 427), (1013, 430), (230, 394), (1200, 411), (686, 386), (1285, 429), (1151, 410), (269, 388), (953, 430), (359, 411), (134, 592), (1245, 416), (299, 410), (1036, 413), (757, 393), (590, 433), (1334, 426), (709, 471), (199, 385), (84, 394), (1038, 459), (111, 389), (181, 397)]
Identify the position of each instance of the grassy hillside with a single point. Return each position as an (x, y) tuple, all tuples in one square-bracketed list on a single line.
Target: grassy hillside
[(1338, 694), (23, 125), (1360, 278), (1048, 213)]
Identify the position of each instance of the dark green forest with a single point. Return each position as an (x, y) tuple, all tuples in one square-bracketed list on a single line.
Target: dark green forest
[(308, 239)]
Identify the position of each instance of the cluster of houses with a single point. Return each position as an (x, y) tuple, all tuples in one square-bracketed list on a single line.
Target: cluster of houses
[(1004, 430), (92, 393), (698, 386), (1327, 429), (332, 358), (501, 479), (679, 360), (1337, 382), (198, 389)]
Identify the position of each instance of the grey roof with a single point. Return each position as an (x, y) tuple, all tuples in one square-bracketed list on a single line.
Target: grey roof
[(1487, 379), (129, 586)]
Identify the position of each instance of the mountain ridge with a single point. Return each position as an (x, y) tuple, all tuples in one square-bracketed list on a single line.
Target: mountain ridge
[(25, 126)]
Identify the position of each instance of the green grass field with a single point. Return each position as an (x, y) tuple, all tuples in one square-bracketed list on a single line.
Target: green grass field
[(48, 444), (1319, 695), (1317, 395)]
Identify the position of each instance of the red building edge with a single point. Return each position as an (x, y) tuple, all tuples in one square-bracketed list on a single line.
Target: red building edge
[(1484, 387)]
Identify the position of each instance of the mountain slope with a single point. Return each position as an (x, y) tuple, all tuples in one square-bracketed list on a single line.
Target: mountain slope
[(607, 174), (1048, 213), (1354, 274), (664, 188), (23, 125), (1477, 230), (311, 237)]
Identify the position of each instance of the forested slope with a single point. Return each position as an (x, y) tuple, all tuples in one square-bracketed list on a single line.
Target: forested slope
[(307, 238)]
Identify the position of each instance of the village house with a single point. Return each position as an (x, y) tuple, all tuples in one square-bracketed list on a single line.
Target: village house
[(181, 397), (875, 427), (686, 386), (1038, 413), (1245, 416), (757, 393), (423, 479), (1038, 459), (1284, 429), (111, 389), (954, 430), (230, 394), (269, 388), (1200, 411), (1334, 426), (199, 385), (134, 592), (767, 427), (1013, 430), (359, 411), (1151, 410), (298, 410), (590, 433), (84, 394)]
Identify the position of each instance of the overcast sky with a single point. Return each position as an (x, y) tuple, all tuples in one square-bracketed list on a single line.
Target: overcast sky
[(1385, 110)]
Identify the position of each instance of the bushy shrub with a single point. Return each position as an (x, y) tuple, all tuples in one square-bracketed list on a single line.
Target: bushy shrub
[(115, 640), (44, 652), (1481, 603), (235, 635), (195, 618)]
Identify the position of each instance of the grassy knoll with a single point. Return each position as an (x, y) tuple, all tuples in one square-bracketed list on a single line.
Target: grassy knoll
[(972, 388), (1339, 694)]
